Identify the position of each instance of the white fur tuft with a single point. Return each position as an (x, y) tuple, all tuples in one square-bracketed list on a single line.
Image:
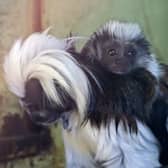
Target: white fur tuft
[(154, 67), (44, 57), (111, 149), (122, 30), (151, 64), (13, 70)]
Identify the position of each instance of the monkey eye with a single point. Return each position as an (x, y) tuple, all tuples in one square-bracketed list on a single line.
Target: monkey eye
[(131, 53), (112, 52)]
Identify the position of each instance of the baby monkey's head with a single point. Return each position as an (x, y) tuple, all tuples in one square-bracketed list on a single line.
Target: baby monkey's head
[(120, 47)]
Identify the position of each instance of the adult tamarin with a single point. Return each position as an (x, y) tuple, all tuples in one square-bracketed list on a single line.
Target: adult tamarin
[(122, 47), (94, 106)]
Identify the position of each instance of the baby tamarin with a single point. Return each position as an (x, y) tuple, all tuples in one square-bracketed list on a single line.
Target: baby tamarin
[(122, 47)]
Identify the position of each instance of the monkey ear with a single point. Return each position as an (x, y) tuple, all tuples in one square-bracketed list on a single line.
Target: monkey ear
[(92, 50), (88, 49), (143, 43)]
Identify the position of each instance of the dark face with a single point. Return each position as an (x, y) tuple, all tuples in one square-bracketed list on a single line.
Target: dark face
[(118, 56), (40, 109)]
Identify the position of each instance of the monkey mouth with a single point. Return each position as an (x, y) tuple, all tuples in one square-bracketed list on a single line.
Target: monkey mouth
[(118, 69)]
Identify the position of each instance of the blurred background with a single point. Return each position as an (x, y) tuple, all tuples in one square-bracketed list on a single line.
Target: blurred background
[(18, 18)]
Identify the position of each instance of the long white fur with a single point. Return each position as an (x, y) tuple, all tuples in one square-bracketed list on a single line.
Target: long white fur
[(15, 61), (119, 150), (41, 57), (45, 58)]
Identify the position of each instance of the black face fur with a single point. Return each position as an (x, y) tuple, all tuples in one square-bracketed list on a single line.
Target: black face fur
[(118, 56), (41, 109)]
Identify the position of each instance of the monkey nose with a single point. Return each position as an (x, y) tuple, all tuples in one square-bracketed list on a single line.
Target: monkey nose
[(118, 62)]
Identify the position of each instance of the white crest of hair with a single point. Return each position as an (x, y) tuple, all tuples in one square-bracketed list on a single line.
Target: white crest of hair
[(122, 30), (22, 52), (44, 57), (13, 71)]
